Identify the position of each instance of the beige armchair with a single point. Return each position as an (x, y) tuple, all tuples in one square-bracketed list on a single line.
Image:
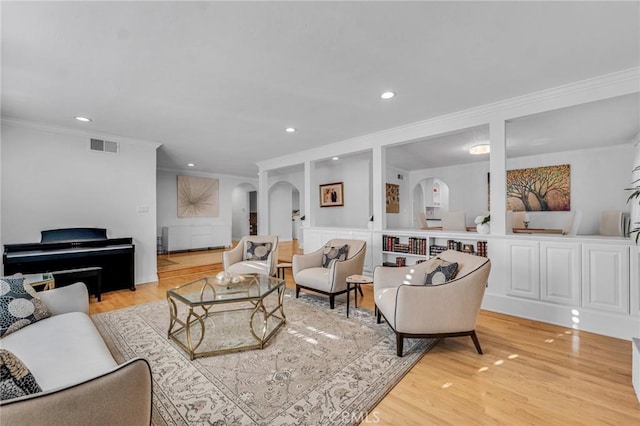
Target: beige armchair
[(447, 310), (309, 274), (239, 260)]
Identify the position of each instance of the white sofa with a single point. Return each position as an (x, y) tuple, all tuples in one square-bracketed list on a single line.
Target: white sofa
[(81, 382)]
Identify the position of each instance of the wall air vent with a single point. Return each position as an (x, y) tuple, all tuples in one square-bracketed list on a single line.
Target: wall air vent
[(104, 146)]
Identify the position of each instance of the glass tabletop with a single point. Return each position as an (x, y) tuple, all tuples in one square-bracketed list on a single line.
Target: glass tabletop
[(207, 290)]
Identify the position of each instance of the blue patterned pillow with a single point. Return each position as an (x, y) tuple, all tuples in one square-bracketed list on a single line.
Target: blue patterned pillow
[(19, 305), (442, 273), (257, 251), (330, 254), (15, 378)]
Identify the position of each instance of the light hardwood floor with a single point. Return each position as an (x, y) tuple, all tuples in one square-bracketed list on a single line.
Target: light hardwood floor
[(530, 373)]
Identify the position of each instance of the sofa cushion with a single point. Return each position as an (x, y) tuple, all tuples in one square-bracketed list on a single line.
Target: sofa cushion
[(442, 272), (61, 350), (316, 278), (249, 267), (330, 254), (19, 305), (15, 378), (257, 251)]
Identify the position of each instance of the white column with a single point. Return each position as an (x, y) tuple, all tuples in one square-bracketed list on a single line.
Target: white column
[(263, 203), (379, 169), (498, 176), (309, 178)]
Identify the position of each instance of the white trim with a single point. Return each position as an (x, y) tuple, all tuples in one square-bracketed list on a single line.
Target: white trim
[(75, 132), (150, 279), (613, 325), (576, 93), (191, 172)]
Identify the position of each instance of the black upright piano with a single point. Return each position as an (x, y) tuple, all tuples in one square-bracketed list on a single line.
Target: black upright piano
[(75, 248)]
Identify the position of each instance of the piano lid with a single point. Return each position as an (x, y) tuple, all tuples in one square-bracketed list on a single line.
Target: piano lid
[(73, 234)]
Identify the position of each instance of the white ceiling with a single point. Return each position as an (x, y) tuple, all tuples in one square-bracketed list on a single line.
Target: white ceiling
[(604, 123), (217, 82)]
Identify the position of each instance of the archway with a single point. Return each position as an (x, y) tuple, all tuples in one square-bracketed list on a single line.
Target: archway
[(430, 200), (244, 212), (284, 202)]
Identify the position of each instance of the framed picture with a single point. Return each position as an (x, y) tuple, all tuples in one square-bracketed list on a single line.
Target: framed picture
[(198, 197), (393, 198), (539, 189), (331, 195)]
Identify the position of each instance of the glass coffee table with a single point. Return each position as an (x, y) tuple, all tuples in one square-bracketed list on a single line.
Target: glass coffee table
[(209, 318)]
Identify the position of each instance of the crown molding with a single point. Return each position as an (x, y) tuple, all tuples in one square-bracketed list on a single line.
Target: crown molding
[(246, 179), (7, 121), (575, 93)]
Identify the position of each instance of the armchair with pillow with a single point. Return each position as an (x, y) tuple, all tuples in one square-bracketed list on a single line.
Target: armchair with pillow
[(253, 255), (434, 299), (325, 270)]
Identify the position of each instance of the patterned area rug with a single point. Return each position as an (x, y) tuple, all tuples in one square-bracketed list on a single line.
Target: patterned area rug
[(321, 367)]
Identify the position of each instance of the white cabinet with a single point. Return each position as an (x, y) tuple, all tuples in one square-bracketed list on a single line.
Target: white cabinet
[(524, 268), (180, 238), (605, 273), (560, 273)]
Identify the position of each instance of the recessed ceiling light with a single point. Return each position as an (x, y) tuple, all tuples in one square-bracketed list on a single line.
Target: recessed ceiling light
[(481, 148), (190, 165), (387, 95), (83, 119), (335, 158), (290, 129)]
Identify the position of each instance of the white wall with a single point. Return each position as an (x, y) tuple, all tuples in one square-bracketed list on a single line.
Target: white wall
[(467, 185), (168, 201), (52, 180), (598, 179), (240, 211), (279, 219), (635, 203), (355, 174), (280, 208)]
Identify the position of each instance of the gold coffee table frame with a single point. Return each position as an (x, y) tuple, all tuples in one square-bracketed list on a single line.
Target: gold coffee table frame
[(200, 296)]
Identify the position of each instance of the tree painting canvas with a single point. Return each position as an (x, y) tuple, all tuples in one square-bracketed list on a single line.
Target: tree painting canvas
[(393, 198), (539, 189)]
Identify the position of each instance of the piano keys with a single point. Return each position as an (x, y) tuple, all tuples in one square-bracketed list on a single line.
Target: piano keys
[(75, 248)]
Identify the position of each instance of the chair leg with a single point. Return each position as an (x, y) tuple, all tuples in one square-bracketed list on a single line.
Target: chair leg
[(297, 291), (378, 315), (476, 342), (399, 343), (332, 301)]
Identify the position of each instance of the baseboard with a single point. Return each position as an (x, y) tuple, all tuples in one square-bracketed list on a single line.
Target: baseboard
[(148, 279), (608, 324)]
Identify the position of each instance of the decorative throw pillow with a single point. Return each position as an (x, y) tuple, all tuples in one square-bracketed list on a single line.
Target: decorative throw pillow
[(15, 378), (257, 251), (19, 305), (443, 272), (330, 254)]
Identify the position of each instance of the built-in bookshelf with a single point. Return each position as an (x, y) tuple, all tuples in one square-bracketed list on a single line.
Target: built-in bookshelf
[(397, 249)]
